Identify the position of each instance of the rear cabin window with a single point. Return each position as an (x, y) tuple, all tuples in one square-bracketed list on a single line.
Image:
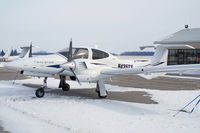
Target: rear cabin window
[(97, 54)]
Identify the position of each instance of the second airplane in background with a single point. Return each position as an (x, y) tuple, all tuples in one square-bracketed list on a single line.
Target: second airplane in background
[(26, 51)]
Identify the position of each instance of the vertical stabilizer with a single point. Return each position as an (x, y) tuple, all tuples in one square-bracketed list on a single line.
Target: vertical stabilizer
[(160, 56), (24, 52), (161, 53), (7, 53)]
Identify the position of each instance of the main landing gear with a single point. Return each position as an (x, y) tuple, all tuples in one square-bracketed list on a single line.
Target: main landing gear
[(40, 91), (101, 90), (65, 86)]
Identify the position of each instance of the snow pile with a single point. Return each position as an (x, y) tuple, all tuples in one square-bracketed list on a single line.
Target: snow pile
[(21, 113)]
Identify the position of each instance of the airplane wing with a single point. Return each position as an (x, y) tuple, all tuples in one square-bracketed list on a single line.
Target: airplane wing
[(151, 69)]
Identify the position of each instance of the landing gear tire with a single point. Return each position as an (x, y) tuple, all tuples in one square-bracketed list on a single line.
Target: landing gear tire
[(39, 92), (65, 87)]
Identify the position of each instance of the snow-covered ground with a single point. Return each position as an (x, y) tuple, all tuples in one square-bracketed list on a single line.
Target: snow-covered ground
[(2, 64), (20, 112)]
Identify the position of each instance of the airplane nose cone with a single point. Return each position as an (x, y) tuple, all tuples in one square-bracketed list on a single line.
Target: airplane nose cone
[(68, 65)]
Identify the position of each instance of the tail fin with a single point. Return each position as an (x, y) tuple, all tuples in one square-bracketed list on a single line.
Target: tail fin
[(161, 53), (160, 57), (28, 51), (7, 53), (24, 52)]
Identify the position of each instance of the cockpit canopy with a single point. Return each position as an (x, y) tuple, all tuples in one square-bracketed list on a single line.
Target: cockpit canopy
[(83, 53), (77, 53)]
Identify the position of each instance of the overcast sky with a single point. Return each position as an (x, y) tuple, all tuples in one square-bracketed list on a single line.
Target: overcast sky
[(114, 25)]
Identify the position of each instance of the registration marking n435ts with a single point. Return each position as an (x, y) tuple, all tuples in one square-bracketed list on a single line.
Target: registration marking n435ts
[(125, 66)]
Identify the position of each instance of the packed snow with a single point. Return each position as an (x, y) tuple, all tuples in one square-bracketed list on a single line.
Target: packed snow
[(21, 112)]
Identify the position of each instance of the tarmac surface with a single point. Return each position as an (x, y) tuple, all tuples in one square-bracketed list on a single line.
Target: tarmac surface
[(6, 74), (161, 83)]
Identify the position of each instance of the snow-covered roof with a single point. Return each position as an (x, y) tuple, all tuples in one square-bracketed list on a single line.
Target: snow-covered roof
[(185, 36)]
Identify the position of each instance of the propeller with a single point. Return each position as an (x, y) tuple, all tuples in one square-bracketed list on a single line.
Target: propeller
[(30, 53), (70, 64), (70, 51)]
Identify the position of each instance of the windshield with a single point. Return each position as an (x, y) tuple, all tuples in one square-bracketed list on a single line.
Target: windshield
[(77, 53)]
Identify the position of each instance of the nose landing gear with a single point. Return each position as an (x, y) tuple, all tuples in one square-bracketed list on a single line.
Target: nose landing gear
[(40, 91)]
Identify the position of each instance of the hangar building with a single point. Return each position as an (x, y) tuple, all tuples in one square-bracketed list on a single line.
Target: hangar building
[(183, 55)]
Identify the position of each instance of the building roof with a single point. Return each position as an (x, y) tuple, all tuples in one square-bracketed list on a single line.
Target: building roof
[(185, 36)]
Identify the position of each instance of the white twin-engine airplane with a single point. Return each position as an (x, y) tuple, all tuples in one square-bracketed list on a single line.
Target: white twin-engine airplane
[(92, 65)]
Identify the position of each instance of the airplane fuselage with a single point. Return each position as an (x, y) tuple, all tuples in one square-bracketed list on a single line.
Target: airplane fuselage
[(49, 65)]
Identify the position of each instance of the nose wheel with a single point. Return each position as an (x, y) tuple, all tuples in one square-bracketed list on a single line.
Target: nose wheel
[(40, 92)]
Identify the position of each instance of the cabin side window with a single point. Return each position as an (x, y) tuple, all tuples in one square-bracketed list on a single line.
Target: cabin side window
[(97, 54)]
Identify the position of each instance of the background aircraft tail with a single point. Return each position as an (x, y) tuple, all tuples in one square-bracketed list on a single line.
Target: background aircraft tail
[(24, 51), (7, 53)]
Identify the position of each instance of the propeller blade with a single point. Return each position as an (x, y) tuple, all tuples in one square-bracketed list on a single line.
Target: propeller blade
[(30, 53), (75, 76), (69, 65), (70, 52)]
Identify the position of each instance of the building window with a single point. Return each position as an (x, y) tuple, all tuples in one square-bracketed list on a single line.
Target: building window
[(183, 56)]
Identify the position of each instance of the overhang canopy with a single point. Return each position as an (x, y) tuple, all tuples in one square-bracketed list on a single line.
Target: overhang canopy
[(185, 36)]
